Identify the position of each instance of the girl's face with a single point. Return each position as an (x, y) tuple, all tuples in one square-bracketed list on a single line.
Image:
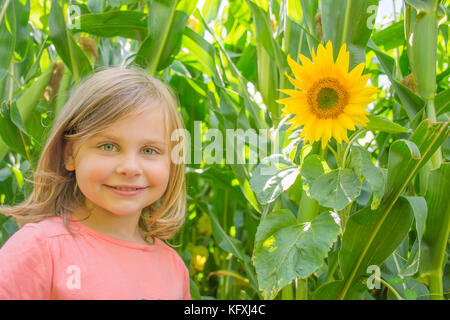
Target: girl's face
[(125, 168)]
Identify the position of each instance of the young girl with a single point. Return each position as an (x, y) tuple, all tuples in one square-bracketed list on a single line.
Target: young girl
[(106, 191)]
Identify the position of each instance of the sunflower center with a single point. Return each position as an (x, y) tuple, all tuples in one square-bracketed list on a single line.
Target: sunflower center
[(327, 98)]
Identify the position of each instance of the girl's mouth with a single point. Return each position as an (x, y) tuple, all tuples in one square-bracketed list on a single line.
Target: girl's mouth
[(126, 190)]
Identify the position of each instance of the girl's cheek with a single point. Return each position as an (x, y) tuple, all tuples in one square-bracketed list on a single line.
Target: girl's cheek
[(159, 171), (96, 169)]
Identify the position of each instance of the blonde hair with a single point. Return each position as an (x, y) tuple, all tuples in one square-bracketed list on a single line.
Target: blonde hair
[(104, 97)]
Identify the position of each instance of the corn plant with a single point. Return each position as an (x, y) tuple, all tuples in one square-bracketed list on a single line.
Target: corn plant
[(360, 215)]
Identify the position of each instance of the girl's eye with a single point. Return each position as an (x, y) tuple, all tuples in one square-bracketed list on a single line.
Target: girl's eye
[(107, 147), (149, 151)]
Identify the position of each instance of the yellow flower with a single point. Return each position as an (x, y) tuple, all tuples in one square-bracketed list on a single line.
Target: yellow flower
[(198, 258), (329, 100), (204, 225), (192, 23)]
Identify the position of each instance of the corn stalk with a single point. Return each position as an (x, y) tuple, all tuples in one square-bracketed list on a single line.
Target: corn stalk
[(421, 30)]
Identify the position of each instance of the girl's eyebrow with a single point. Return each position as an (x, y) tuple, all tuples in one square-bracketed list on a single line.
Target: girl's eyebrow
[(111, 137)]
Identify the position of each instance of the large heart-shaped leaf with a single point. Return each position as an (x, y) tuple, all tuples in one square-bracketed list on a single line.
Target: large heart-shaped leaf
[(286, 250), (272, 176), (336, 189)]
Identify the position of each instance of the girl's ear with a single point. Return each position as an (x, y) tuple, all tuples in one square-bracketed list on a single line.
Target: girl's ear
[(69, 161)]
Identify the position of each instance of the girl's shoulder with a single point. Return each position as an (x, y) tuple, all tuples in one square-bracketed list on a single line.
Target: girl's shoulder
[(48, 227)]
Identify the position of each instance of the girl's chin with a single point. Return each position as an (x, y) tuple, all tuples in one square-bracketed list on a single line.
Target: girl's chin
[(124, 213)]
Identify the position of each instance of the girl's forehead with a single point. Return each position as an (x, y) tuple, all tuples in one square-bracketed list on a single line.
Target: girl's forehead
[(153, 118)]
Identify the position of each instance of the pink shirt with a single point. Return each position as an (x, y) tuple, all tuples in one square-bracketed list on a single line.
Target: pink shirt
[(44, 261)]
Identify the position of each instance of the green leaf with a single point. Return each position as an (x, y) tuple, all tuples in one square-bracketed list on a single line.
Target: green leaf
[(165, 32), (264, 35), (118, 3), (420, 4), (419, 207), (22, 13), (286, 250), (361, 162), (202, 50), (240, 172), (410, 294), (231, 245), (5, 173), (18, 175), (210, 9), (294, 10), (126, 24), (411, 102), (268, 79), (437, 226), (309, 8), (29, 99), (241, 85), (336, 189), (370, 237), (442, 102), (274, 175), (73, 57), (385, 228), (390, 37), (330, 290), (7, 39), (312, 168), (378, 123), (349, 22), (13, 131)]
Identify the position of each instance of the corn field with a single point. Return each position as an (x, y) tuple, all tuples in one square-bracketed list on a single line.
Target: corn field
[(272, 213)]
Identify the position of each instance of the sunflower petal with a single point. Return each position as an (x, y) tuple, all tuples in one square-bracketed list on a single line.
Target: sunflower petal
[(318, 130), (290, 92), (355, 75), (296, 83), (299, 73), (355, 110), (337, 133), (289, 100), (327, 131), (343, 59), (304, 60), (344, 135), (346, 121), (329, 53)]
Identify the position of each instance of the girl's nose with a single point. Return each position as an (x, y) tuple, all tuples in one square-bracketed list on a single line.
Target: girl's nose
[(129, 166)]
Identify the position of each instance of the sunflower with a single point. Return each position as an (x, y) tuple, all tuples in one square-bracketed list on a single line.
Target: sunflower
[(330, 100)]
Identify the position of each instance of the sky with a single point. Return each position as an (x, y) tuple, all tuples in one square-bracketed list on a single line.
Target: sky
[(385, 14)]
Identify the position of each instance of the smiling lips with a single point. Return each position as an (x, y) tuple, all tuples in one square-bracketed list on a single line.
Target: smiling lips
[(126, 190)]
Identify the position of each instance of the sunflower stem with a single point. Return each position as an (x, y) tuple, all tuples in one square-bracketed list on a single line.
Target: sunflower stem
[(332, 151), (339, 154), (301, 292), (351, 141)]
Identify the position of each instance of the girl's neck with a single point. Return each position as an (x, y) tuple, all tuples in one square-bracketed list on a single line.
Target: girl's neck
[(116, 226)]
